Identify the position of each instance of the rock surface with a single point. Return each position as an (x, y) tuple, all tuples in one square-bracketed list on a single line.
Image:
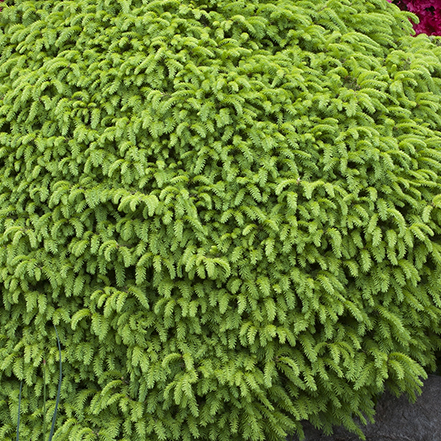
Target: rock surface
[(396, 419)]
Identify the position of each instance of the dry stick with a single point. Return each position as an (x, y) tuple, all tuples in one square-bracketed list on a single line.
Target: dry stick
[(44, 404), (44, 398), (58, 392)]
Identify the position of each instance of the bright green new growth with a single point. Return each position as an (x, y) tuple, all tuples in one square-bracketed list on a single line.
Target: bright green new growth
[(230, 210)]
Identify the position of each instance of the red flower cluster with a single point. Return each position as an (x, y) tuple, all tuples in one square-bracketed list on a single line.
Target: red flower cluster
[(428, 11)]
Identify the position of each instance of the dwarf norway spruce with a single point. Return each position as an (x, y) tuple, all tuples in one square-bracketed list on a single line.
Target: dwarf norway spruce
[(230, 211)]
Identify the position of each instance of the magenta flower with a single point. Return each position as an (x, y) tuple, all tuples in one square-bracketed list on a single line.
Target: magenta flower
[(428, 11)]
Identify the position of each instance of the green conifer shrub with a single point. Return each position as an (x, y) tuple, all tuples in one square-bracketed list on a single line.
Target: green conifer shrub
[(231, 210)]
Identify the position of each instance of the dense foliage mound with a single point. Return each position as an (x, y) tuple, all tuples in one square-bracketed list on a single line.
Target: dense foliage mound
[(231, 211)]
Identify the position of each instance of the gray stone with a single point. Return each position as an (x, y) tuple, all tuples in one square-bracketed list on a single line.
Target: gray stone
[(396, 419)]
